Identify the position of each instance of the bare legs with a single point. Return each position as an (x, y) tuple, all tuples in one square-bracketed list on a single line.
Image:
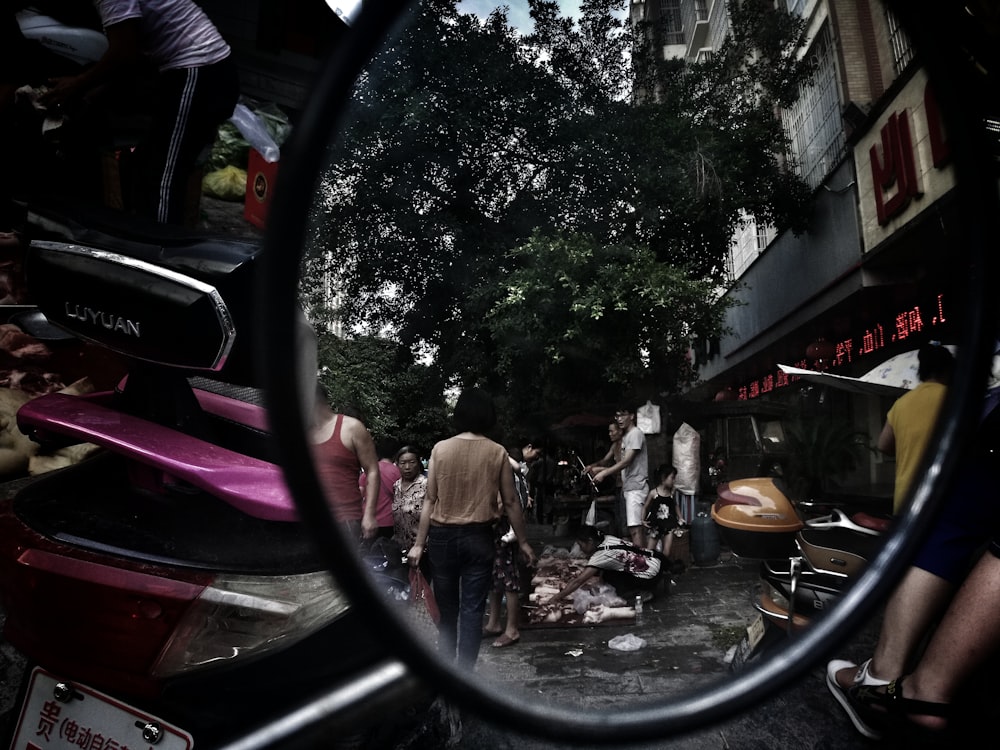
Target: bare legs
[(917, 600), (667, 543), (492, 625), (513, 614), (510, 627), (638, 535), (967, 635)]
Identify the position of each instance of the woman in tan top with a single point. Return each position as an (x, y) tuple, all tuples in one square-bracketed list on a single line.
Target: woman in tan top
[(457, 524)]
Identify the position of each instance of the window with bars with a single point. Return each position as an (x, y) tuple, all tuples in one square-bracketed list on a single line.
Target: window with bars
[(813, 124), (902, 49), (670, 17), (700, 10), (765, 233), (743, 252), (795, 7), (748, 242)]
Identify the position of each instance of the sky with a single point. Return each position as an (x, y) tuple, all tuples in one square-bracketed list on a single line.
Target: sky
[(518, 13)]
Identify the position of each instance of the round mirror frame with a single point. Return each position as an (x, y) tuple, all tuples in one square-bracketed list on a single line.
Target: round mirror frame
[(301, 162)]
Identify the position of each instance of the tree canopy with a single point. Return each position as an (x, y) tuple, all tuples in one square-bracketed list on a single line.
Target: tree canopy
[(551, 212), (581, 316), (378, 380)]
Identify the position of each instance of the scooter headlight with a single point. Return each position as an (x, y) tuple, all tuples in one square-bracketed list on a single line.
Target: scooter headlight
[(240, 616)]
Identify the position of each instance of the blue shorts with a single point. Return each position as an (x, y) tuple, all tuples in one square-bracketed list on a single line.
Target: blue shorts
[(969, 518)]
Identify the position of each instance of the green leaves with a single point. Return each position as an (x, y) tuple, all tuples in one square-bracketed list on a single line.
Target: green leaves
[(398, 397), (580, 316), (515, 204)]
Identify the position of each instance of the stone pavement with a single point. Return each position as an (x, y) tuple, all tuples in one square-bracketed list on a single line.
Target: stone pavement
[(689, 636)]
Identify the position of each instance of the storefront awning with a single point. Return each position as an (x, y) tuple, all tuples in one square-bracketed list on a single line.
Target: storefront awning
[(891, 378), (844, 383)]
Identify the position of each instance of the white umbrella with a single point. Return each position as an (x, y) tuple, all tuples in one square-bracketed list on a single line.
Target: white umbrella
[(844, 383), (899, 371), (891, 378)]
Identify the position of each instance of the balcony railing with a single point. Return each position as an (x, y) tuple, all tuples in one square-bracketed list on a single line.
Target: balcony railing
[(694, 21)]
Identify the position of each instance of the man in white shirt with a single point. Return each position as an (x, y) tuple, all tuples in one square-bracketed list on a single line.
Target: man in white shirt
[(634, 467), (197, 90)]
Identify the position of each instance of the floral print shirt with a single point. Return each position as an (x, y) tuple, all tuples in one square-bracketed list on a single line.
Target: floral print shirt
[(406, 508)]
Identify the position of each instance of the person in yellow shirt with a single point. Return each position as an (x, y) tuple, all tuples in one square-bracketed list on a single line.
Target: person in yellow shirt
[(911, 419), (943, 559)]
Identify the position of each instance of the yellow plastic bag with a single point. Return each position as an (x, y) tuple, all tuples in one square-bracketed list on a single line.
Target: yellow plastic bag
[(228, 183)]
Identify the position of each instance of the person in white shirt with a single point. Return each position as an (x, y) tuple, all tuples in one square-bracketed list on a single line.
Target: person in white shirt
[(197, 90), (634, 467)]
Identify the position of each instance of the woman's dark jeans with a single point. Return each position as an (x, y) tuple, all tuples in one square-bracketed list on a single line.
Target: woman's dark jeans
[(462, 563)]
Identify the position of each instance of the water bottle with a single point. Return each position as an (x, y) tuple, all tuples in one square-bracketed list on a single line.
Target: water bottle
[(638, 607)]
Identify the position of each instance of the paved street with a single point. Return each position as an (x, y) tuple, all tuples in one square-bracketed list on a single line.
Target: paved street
[(688, 636)]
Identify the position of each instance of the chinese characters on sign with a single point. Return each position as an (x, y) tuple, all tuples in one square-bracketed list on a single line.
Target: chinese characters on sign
[(871, 339), (894, 159), (896, 168), (70, 731)]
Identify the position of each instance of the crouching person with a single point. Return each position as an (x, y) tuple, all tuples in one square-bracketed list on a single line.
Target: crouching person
[(632, 570)]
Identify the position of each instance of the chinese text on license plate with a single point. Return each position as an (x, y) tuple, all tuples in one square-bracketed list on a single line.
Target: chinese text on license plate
[(52, 720)]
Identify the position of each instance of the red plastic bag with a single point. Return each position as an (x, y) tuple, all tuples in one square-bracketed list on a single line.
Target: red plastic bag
[(422, 596)]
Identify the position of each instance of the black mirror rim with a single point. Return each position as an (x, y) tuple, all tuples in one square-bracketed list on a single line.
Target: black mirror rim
[(301, 161)]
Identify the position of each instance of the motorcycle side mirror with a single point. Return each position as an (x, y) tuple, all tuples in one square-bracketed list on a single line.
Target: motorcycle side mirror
[(287, 231)]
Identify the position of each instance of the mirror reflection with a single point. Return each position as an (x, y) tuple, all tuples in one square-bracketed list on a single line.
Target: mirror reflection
[(630, 320), (647, 292)]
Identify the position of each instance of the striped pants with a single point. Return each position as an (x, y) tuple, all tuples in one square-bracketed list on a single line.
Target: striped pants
[(191, 104)]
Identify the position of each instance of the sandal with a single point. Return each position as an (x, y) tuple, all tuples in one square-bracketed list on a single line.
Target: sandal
[(903, 710), (898, 712), (865, 677)]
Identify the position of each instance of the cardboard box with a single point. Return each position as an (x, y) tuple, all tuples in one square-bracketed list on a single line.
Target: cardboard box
[(260, 188)]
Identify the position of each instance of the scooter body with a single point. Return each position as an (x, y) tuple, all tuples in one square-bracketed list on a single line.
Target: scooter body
[(162, 591), (806, 562)]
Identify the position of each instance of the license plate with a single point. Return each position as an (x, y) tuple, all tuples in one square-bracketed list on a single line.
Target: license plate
[(745, 648), (87, 719), (755, 631)]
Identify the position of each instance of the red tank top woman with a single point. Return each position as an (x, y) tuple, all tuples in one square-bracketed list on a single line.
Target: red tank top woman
[(339, 471)]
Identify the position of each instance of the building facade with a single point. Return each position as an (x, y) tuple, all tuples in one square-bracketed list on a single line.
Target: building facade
[(871, 278)]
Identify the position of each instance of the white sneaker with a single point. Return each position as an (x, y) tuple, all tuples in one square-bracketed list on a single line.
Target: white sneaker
[(864, 719)]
